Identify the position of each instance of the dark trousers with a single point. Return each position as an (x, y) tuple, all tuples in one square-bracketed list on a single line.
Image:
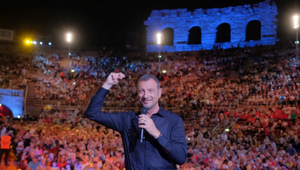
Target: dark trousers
[(6, 152)]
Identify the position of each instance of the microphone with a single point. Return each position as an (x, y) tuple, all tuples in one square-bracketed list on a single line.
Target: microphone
[(143, 111)]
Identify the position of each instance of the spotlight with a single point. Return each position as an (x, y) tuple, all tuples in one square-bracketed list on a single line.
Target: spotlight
[(41, 43), (158, 38), (296, 21), (34, 42), (49, 43)]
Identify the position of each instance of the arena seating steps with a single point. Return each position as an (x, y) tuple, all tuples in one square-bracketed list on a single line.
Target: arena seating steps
[(30, 108), (34, 106)]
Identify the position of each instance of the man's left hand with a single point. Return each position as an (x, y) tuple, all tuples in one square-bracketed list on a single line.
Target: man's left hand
[(147, 123)]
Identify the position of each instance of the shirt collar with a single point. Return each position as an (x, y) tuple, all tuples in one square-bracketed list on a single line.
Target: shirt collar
[(161, 112)]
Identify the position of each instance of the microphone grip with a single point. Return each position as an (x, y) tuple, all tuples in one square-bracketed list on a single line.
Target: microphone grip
[(142, 135), (143, 111)]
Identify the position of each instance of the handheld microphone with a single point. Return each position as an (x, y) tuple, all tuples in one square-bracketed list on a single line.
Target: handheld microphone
[(143, 111)]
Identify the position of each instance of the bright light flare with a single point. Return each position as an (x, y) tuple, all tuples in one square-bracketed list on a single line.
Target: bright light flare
[(69, 37), (158, 38), (296, 21)]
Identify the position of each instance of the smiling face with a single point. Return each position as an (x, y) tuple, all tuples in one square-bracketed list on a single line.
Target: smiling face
[(54, 164), (149, 93)]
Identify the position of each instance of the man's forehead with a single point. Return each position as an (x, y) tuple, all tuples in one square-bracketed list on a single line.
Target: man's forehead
[(147, 84)]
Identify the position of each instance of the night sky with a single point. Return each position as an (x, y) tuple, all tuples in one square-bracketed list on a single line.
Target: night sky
[(105, 22)]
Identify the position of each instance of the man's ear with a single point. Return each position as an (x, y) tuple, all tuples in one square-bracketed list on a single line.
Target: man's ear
[(160, 92)]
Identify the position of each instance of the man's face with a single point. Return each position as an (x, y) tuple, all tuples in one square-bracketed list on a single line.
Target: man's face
[(95, 165), (35, 160), (118, 154), (148, 93), (105, 167)]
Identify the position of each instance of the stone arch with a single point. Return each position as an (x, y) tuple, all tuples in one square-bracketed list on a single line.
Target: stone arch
[(167, 36), (253, 30), (223, 33), (182, 20), (195, 35)]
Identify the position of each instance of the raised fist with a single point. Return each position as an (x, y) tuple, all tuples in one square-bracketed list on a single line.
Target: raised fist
[(113, 79)]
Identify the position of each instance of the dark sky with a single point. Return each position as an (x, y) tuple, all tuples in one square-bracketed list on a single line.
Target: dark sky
[(105, 22)]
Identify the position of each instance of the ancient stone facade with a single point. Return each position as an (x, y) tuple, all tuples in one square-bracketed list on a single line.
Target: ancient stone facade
[(14, 100), (238, 18)]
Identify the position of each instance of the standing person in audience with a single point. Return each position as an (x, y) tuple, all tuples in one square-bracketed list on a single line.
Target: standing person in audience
[(33, 165), (5, 146), (291, 150), (164, 145)]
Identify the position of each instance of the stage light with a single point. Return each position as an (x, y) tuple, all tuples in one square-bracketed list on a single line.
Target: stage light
[(0, 104), (69, 40), (226, 130), (49, 43), (164, 71), (19, 116), (41, 43), (69, 37), (296, 26), (27, 42), (296, 21), (72, 71), (158, 38), (34, 42)]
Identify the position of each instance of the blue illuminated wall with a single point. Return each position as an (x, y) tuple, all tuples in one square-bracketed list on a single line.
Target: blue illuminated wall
[(238, 17), (15, 103)]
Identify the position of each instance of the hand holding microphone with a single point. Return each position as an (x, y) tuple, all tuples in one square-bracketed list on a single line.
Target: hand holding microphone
[(142, 122), (147, 123)]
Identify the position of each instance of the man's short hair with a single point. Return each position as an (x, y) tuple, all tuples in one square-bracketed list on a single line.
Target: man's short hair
[(107, 164), (147, 77)]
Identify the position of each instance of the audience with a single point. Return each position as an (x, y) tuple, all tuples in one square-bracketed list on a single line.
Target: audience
[(248, 91)]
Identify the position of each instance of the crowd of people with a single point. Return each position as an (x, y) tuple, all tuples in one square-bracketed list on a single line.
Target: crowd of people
[(247, 88)]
